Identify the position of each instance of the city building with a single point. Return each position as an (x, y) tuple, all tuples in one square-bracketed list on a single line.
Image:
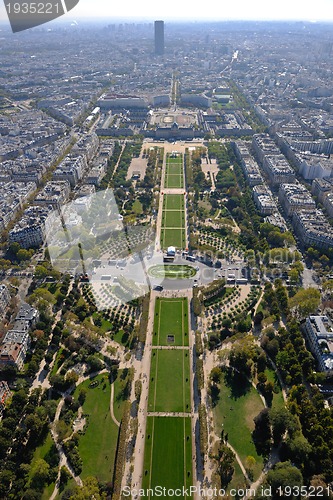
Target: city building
[(263, 145), (263, 199), (118, 101), (313, 166), (295, 197), (4, 298), (159, 38), (313, 228), (5, 394), (320, 187), (278, 169), (55, 194), (30, 231), (319, 334), (16, 342)]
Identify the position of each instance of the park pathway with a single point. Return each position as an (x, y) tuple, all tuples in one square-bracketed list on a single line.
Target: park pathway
[(111, 406)]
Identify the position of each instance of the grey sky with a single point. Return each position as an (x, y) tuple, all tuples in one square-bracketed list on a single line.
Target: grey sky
[(321, 10)]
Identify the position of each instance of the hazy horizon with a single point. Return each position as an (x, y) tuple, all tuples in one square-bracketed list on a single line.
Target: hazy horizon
[(241, 10)]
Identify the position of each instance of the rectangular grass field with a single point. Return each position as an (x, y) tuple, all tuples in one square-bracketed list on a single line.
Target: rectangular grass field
[(168, 453), (174, 181), (173, 202), (169, 386), (177, 309), (173, 237), (174, 169), (173, 218)]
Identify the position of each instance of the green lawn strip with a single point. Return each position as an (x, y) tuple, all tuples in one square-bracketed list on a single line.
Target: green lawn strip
[(106, 325), (234, 412), (168, 453), (175, 309), (174, 169), (48, 491), (173, 218), (174, 181), (174, 160), (169, 387), (60, 358), (173, 237), (71, 484), (278, 401), (98, 444), (47, 448), (238, 481), (173, 202), (172, 271), (121, 337), (118, 401)]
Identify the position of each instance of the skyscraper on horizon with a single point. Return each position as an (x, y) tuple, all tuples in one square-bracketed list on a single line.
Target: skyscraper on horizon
[(159, 38)]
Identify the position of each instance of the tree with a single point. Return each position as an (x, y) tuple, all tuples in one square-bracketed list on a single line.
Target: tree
[(281, 420), (95, 364), (24, 254), (226, 467), (297, 449), (242, 354), (87, 491), (215, 374), (82, 395), (63, 430), (262, 432), (250, 463), (282, 475), (305, 302), (71, 377), (39, 473), (64, 476)]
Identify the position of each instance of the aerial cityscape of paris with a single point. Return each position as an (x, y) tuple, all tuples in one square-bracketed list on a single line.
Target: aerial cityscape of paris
[(166, 250)]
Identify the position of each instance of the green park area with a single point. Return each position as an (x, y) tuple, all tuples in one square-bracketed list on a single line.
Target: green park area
[(173, 237), (97, 446), (173, 221), (175, 332), (236, 405), (168, 453), (169, 386), (173, 218), (172, 271), (174, 172), (173, 202)]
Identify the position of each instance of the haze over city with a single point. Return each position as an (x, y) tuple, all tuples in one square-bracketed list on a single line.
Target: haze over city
[(214, 10)]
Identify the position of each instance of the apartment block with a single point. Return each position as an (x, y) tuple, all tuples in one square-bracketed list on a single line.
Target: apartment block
[(263, 145), (4, 298), (30, 231), (319, 334), (5, 394), (295, 197), (55, 194), (263, 199), (313, 228), (320, 187), (278, 169)]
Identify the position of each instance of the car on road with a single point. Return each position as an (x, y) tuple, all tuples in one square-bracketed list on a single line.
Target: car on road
[(158, 288)]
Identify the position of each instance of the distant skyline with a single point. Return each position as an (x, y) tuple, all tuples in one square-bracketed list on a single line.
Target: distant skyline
[(321, 10)]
